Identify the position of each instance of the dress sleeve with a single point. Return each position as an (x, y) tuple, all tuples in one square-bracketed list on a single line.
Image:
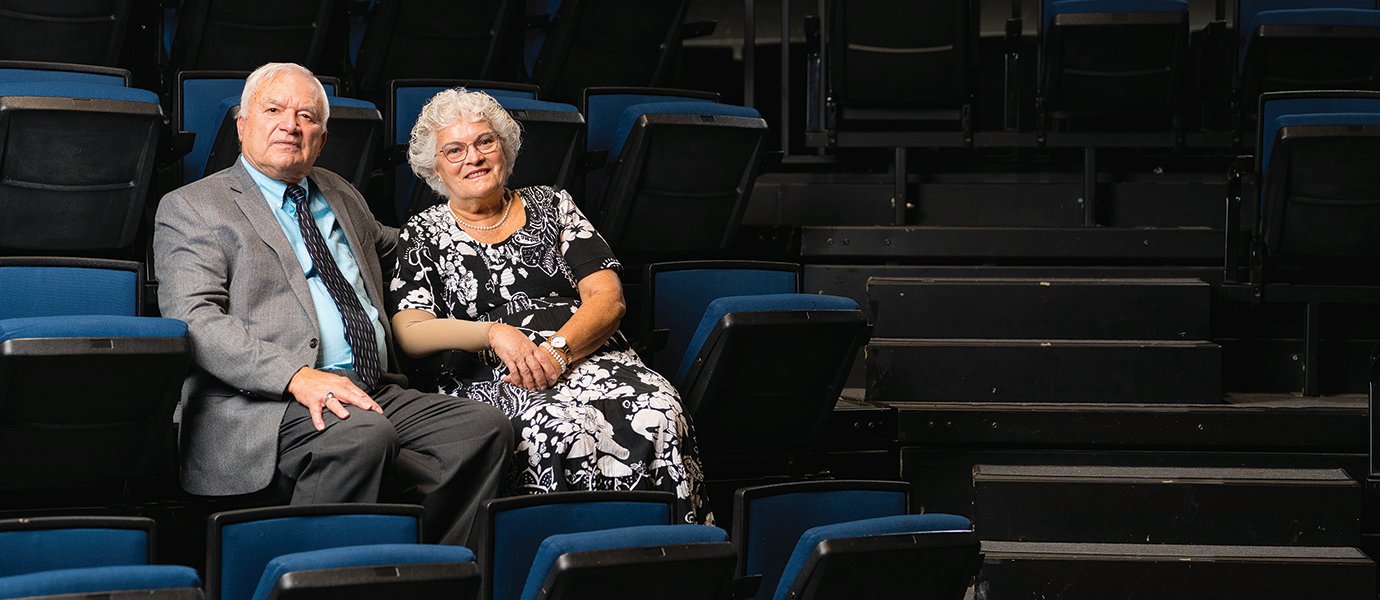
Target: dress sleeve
[(416, 281), (583, 248)]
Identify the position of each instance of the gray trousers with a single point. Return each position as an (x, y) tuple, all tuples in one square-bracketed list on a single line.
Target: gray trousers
[(457, 449)]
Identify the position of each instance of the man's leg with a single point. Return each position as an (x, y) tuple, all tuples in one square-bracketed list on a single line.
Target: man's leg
[(463, 447), (343, 463)]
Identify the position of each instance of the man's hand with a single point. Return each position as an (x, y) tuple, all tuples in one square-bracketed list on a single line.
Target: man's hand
[(528, 365), (317, 389)]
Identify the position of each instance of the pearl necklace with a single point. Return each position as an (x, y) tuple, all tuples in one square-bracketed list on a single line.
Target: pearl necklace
[(507, 206)]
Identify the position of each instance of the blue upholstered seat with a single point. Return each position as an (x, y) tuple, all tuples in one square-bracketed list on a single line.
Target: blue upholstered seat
[(372, 555), (769, 520), (99, 579), (70, 555), (243, 543), (631, 114), (861, 528), (553, 547), (514, 528), (680, 292), (750, 304)]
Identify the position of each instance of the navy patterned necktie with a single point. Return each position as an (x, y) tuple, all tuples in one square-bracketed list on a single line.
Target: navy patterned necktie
[(359, 332)]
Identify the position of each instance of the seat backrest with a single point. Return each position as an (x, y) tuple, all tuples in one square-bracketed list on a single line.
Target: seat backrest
[(1248, 12), (48, 543), (16, 71), (90, 33), (355, 130), (603, 109), (933, 42), (336, 572), (243, 34), (150, 582), (1275, 105), (52, 286), (678, 293), (594, 564), (607, 42), (74, 175), (883, 557), (436, 39), (514, 528), (768, 520), (241, 543), (752, 303)]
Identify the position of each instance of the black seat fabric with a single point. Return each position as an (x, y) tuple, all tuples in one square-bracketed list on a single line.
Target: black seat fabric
[(89, 32)]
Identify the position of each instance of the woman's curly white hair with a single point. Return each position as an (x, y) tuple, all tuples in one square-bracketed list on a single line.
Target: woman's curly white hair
[(448, 108)]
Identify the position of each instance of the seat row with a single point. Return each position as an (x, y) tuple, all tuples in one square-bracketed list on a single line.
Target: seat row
[(562, 46), (820, 540), (1124, 65), (710, 324), (627, 150)]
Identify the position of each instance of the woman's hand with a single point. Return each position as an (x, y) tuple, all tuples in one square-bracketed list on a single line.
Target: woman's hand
[(529, 366)]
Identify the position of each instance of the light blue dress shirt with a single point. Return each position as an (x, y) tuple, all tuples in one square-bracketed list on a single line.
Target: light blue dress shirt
[(335, 350)]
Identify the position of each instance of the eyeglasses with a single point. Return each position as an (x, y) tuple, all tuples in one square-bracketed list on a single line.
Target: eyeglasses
[(457, 152)]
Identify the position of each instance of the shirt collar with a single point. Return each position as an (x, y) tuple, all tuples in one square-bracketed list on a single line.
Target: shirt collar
[(271, 187)]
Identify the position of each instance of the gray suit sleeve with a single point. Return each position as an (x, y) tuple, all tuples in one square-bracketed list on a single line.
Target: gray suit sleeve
[(194, 269)]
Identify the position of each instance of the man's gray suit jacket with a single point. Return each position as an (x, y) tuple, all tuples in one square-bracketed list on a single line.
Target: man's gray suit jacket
[(225, 267)]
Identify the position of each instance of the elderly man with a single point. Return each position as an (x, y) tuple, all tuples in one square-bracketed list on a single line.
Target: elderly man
[(276, 266)]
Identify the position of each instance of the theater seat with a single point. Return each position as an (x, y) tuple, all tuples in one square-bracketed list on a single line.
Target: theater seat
[(1113, 61), (438, 39), (626, 563), (75, 165), (511, 530), (760, 372), (1285, 45), (87, 556), (241, 35), (26, 71), (242, 544), (588, 43), (652, 200), (768, 520), (89, 33), (933, 556), (372, 571), (75, 321)]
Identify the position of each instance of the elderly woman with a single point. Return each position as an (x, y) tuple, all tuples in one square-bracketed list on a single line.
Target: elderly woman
[(521, 279)]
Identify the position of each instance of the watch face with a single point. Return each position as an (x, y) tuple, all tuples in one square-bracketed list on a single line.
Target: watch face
[(557, 342)]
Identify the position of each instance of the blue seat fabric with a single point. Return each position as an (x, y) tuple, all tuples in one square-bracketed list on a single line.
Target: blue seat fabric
[(628, 119), (520, 532), (682, 296), (862, 528), (754, 303), (28, 551), (775, 524), (1294, 12), (93, 91), (1065, 7), (36, 291), (605, 111), (41, 75), (247, 548), (85, 326), (372, 555), (98, 579), (1272, 109), (553, 547)]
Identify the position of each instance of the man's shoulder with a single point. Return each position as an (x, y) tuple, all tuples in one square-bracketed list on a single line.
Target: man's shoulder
[(214, 184)]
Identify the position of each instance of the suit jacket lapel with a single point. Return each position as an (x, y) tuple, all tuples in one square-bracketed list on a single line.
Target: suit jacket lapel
[(251, 202)]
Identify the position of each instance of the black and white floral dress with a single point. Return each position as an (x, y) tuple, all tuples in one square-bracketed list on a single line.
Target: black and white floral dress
[(610, 423)]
